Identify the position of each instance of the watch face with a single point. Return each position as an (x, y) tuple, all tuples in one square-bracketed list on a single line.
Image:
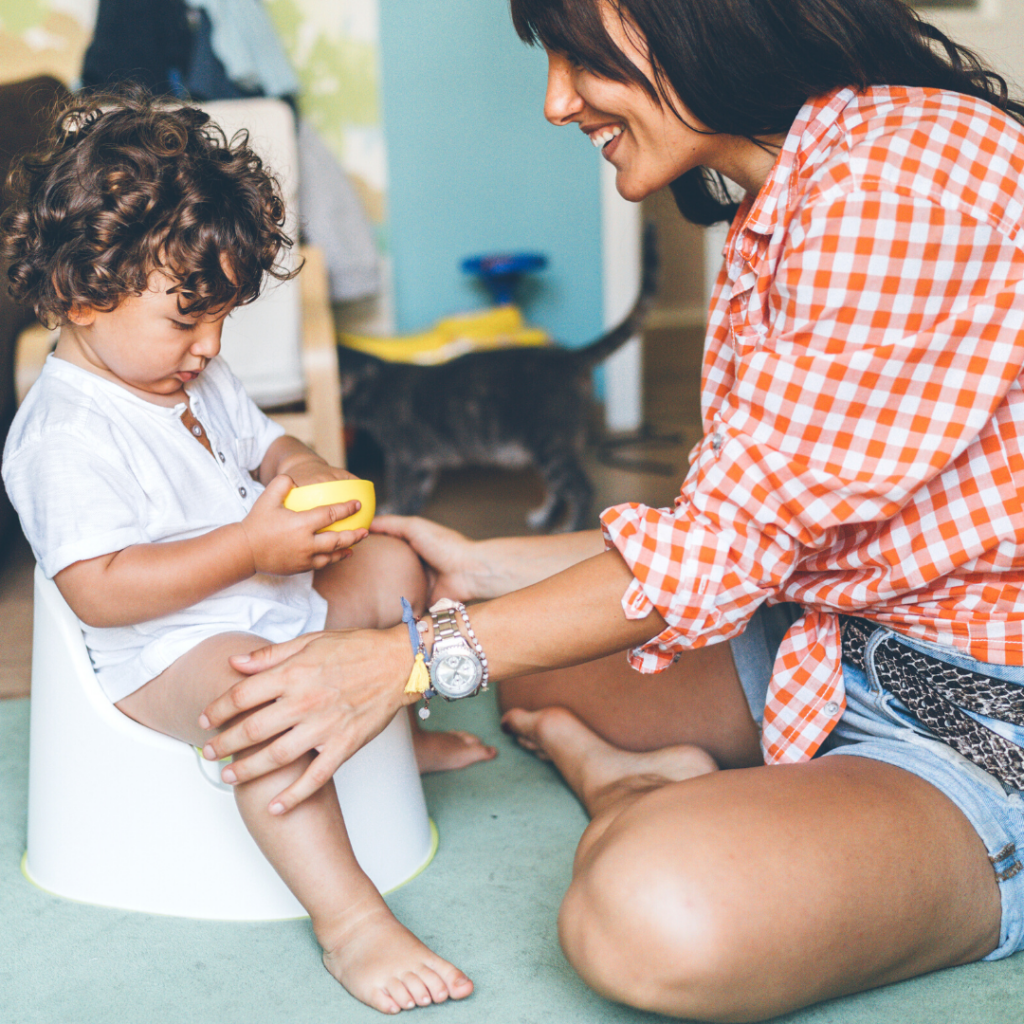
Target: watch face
[(455, 675)]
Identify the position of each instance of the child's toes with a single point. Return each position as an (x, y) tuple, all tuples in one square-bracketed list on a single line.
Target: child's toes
[(459, 986), (381, 1000), (400, 994), (417, 989), (434, 984), (455, 983)]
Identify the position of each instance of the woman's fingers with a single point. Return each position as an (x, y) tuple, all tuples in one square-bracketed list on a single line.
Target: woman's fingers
[(322, 769), (395, 526), (330, 692), (288, 747), (249, 664)]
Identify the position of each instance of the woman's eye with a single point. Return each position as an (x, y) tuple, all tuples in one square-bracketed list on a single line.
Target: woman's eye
[(184, 325)]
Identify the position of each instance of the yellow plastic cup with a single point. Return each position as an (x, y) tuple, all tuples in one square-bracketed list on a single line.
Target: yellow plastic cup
[(334, 492)]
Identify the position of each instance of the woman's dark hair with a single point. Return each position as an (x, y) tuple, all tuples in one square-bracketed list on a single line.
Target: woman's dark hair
[(746, 67), (127, 184)]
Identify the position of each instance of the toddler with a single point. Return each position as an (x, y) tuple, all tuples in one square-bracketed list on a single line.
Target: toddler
[(150, 486)]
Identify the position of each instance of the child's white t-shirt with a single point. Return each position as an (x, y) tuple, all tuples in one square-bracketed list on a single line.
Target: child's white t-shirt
[(92, 469)]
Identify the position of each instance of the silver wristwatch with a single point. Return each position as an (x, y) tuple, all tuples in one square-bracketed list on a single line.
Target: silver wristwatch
[(455, 669)]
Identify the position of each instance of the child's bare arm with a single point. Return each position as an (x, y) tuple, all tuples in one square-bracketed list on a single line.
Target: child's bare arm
[(291, 457), (145, 581)]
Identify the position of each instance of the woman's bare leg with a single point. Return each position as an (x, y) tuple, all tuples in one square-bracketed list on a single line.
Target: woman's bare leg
[(377, 959), (697, 700), (740, 895), (364, 591)]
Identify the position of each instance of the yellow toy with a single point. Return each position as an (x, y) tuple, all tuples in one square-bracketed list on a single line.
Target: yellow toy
[(454, 336), (333, 492), (500, 326)]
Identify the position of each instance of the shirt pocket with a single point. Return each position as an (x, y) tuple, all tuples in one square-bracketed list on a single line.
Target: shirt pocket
[(247, 452)]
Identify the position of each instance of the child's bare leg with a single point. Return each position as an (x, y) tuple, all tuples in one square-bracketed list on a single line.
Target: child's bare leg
[(375, 957), (363, 590)]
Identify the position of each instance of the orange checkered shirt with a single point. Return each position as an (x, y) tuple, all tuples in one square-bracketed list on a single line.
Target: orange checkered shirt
[(862, 406)]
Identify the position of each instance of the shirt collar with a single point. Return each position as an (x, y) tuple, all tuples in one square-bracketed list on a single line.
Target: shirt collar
[(95, 385), (815, 118)]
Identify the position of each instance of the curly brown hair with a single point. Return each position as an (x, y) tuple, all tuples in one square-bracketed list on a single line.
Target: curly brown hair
[(127, 184)]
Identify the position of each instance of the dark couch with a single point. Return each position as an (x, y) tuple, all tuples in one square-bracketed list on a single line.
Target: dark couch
[(23, 106)]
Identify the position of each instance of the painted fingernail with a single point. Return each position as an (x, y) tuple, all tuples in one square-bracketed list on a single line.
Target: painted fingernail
[(209, 753), (277, 808), (228, 775), (204, 722)]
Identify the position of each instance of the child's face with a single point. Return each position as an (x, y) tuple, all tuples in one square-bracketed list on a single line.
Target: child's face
[(145, 343)]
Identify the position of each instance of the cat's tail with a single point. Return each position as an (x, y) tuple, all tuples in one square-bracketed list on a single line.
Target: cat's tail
[(600, 349)]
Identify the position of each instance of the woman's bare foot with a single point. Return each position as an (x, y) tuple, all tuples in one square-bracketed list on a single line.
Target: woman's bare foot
[(381, 963), (597, 772), (447, 751)]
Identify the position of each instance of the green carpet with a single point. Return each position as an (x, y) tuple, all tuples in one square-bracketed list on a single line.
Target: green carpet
[(488, 902)]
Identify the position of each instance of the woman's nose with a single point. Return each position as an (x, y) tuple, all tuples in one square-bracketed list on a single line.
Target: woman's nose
[(562, 103)]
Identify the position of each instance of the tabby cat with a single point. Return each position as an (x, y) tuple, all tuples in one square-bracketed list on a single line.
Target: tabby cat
[(511, 407)]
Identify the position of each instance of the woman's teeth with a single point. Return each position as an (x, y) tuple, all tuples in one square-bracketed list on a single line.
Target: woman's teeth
[(603, 137)]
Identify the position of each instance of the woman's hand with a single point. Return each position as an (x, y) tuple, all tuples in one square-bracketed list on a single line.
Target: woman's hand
[(453, 567), (478, 570), (283, 542), (331, 692)]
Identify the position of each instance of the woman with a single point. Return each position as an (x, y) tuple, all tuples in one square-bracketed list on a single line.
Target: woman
[(850, 523)]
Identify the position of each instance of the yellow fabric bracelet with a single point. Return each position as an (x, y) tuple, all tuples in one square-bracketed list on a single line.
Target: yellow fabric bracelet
[(419, 677)]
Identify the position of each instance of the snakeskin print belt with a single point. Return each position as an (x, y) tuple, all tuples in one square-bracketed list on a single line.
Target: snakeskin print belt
[(938, 694)]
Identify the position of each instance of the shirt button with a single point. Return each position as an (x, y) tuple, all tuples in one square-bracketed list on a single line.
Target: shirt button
[(220, 455), (242, 491), (831, 708)]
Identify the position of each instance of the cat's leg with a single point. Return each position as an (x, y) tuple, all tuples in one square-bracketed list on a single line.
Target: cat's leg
[(407, 485), (541, 517), (569, 490)]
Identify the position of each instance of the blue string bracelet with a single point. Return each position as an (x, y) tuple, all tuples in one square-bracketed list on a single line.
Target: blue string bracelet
[(419, 677)]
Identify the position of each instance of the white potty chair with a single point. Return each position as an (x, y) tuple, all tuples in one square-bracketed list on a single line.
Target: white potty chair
[(121, 816)]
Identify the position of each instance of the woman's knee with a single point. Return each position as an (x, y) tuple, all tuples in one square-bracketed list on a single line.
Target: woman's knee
[(652, 930)]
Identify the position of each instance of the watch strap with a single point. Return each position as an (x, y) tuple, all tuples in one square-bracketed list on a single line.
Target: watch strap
[(446, 624)]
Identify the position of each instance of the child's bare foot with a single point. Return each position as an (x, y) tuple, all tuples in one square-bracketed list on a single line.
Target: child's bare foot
[(448, 751), (382, 963), (596, 771)]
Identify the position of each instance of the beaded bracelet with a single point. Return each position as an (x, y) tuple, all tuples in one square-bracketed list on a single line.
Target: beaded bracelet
[(461, 608)]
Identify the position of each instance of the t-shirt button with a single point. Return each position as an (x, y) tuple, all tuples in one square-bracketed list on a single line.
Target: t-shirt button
[(220, 455), (831, 708), (242, 491)]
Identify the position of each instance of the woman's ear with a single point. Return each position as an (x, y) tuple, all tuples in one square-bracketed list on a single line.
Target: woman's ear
[(81, 316)]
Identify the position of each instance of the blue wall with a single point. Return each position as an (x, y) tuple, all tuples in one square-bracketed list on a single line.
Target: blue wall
[(473, 167)]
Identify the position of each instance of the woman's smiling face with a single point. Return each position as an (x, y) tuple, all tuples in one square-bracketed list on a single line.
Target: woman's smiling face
[(647, 143)]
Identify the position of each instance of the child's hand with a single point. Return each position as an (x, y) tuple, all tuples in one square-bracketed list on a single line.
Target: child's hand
[(315, 471), (283, 542)]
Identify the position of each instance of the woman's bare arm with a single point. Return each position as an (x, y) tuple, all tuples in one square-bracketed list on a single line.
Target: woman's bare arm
[(333, 692), (477, 570)]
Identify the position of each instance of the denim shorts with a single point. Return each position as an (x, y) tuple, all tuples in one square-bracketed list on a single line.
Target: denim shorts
[(876, 724)]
